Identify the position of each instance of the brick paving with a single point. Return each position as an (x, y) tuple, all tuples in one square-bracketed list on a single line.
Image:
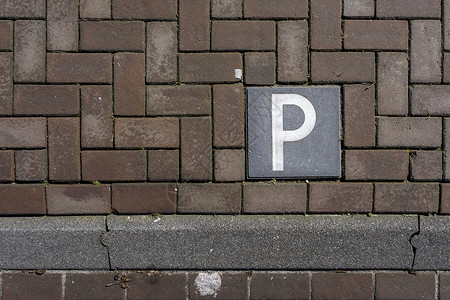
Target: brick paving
[(118, 107)]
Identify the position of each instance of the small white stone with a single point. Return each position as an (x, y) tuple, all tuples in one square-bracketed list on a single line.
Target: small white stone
[(208, 284), (238, 73)]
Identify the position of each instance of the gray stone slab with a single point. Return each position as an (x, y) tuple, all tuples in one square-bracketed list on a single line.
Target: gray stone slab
[(433, 243), (52, 243), (260, 242)]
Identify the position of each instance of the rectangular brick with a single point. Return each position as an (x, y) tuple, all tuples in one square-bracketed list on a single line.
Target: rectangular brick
[(95, 9), (194, 25), (376, 164), (62, 25), (6, 165), (265, 198), (229, 165), (209, 67), (146, 132), (326, 24), (145, 9), (29, 51), (209, 198), (96, 116), (444, 285), (446, 68), (31, 165), (23, 9), (359, 116), (446, 146), (23, 133), (79, 199), (430, 100), (162, 52), (113, 165), (64, 149), (292, 51), (426, 165), (260, 68), (281, 285), (359, 8), (6, 35), (332, 285), (112, 35), (27, 286), (392, 87), (401, 285), (409, 132), (426, 51), (160, 286), (340, 197), (92, 285), (445, 199), (233, 286), (409, 8), (21, 200), (196, 149), (406, 197), (275, 9), (342, 67), (143, 198), (446, 21), (129, 84), (178, 100), (243, 35), (48, 100), (226, 9), (6, 83), (163, 165), (376, 34), (79, 67), (228, 103)]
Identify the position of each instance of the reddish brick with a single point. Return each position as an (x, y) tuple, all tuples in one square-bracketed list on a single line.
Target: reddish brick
[(194, 25), (145, 9), (79, 199), (392, 87), (17, 286), (209, 198), (21, 200), (280, 285), (444, 285), (426, 51), (114, 165), (359, 116), (260, 68), (172, 100), (376, 164), (162, 52), (112, 35), (228, 106), (64, 149), (359, 8), (376, 34), (226, 9), (96, 116), (429, 100), (342, 286), (233, 285), (31, 165), (23, 133), (79, 67), (6, 165), (445, 199), (292, 51), (62, 25), (409, 8), (6, 83), (243, 35), (409, 132), (163, 165), (144, 198), (196, 149), (400, 285), (209, 67), (29, 51), (229, 165), (326, 24), (406, 197), (95, 9), (340, 197), (275, 9), (92, 286), (265, 198), (48, 100), (23, 9), (426, 165), (342, 67), (160, 286), (146, 132), (129, 84)]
